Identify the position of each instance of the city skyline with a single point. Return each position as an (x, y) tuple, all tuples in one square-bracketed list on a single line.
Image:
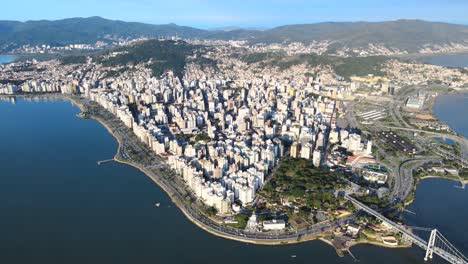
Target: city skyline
[(259, 14), (203, 131)]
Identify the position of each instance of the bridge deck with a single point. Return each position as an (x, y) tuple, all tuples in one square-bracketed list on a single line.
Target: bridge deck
[(451, 258)]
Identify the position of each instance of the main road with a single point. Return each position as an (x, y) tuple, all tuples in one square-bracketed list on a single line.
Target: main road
[(131, 151)]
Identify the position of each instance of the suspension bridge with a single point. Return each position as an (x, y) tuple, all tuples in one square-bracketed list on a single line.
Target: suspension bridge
[(437, 243)]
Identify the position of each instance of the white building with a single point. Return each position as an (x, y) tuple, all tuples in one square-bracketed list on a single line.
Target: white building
[(270, 225), (317, 158), (306, 151), (354, 143)]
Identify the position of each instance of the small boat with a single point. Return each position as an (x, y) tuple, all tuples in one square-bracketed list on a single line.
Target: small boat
[(157, 204), (293, 256)]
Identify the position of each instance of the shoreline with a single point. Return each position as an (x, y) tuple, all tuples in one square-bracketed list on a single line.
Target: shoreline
[(421, 179), (440, 177), (416, 56), (447, 93), (462, 137), (379, 244), (364, 242), (117, 158)]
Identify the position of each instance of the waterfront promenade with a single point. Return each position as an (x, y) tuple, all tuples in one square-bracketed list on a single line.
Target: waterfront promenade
[(132, 152)]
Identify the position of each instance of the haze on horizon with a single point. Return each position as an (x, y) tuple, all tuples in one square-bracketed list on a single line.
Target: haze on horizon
[(241, 13)]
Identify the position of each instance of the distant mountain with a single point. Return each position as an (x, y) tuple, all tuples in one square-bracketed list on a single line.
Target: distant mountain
[(409, 35), (403, 34), (84, 30), (231, 28)]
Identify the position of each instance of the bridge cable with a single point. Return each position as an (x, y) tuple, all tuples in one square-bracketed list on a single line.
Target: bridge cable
[(448, 249), (451, 247), (447, 242), (419, 228)]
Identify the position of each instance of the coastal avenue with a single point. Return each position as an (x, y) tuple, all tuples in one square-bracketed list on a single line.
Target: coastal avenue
[(165, 178), (404, 180), (437, 243)]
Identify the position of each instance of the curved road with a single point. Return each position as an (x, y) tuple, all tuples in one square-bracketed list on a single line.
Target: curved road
[(404, 180), (176, 189)]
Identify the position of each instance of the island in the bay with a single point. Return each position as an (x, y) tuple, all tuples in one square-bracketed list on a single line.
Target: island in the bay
[(267, 143)]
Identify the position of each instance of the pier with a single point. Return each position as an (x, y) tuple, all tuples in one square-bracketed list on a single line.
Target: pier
[(104, 161)]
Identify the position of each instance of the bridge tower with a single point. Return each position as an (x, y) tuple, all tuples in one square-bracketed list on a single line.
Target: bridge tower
[(430, 245)]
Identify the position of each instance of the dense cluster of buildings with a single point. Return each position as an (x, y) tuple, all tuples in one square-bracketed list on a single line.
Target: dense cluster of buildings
[(329, 47), (35, 49), (236, 130), (406, 73), (223, 131), (8, 89)]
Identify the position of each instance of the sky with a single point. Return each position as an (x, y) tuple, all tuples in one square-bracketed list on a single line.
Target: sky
[(242, 13)]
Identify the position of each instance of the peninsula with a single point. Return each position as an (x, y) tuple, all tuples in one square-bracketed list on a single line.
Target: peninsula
[(267, 147)]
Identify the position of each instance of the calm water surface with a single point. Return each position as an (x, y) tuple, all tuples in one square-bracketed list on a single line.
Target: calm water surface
[(453, 110), (6, 58), (447, 60), (58, 206)]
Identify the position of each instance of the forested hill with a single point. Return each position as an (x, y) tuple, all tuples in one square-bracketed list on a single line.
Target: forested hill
[(158, 56)]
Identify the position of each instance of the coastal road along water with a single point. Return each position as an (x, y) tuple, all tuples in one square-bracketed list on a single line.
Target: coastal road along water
[(145, 160), (404, 181)]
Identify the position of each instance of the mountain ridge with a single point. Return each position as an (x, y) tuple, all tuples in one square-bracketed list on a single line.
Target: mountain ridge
[(406, 34)]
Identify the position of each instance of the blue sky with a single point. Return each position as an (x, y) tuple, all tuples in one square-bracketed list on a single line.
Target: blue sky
[(245, 13)]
